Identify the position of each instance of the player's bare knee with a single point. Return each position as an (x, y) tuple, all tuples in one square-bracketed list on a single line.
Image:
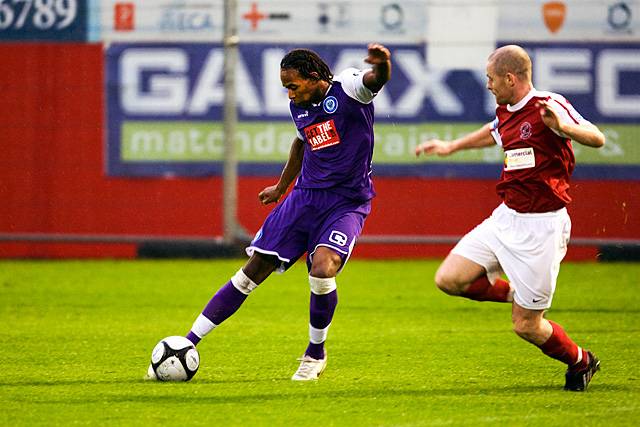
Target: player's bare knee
[(325, 264), (447, 283), (525, 328), (519, 329), (324, 270)]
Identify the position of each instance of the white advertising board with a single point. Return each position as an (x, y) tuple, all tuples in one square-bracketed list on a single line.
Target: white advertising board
[(354, 21)]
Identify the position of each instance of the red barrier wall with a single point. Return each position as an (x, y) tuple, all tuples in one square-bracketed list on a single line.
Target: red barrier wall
[(52, 177)]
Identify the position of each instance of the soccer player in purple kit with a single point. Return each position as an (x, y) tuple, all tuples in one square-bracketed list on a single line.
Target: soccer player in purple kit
[(325, 212)]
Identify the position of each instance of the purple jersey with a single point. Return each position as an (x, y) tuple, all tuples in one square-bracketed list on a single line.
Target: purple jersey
[(338, 136)]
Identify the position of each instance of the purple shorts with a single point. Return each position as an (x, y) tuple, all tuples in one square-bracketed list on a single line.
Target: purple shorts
[(307, 219)]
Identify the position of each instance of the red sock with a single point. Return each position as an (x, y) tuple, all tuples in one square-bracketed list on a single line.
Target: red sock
[(562, 348), (482, 290)]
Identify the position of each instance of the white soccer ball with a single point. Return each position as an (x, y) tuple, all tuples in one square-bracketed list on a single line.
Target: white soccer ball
[(174, 359)]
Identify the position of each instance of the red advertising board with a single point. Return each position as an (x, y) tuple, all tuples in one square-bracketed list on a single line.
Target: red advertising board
[(52, 177)]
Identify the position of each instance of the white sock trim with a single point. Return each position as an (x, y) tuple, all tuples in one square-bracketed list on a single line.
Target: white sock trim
[(322, 286), (242, 282), (579, 355), (202, 326), (318, 336)]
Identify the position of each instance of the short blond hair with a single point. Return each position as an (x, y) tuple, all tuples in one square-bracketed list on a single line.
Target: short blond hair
[(511, 59)]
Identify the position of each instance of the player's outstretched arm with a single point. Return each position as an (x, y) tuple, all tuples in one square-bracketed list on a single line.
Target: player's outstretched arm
[(380, 59), (291, 170), (477, 139), (586, 134)]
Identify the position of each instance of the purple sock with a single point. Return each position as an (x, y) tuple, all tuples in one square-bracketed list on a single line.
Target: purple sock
[(224, 303), (193, 338), (321, 309)]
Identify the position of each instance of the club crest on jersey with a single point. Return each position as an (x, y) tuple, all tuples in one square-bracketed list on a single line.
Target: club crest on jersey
[(257, 236), (330, 104), (322, 135), (525, 130)]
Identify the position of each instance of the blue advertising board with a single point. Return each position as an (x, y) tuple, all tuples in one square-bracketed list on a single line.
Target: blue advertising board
[(35, 20), (165, 106)]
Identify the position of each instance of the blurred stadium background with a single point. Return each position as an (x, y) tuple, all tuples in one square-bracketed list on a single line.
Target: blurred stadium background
[(112, 118)]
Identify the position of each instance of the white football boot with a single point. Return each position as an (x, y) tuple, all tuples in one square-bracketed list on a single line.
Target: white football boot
[(310, 368)]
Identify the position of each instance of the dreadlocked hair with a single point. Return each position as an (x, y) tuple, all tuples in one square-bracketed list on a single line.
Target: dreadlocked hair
[(305, 62)]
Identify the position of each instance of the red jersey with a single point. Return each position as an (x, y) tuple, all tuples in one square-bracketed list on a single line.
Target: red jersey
[(538, 162)]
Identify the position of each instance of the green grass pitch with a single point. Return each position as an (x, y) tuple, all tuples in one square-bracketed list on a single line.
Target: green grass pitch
[(76, 337)]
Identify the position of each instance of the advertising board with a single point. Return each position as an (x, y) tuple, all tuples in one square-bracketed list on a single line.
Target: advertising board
[(35, 20), (164, 108)]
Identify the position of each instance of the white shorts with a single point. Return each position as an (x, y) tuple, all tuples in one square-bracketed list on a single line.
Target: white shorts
[(527, 247)]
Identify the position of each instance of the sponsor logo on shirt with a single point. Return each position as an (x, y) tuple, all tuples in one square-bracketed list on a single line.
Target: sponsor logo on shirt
[(330, 104), (322, 135), (338, 237), (520, 158), (301, 115)]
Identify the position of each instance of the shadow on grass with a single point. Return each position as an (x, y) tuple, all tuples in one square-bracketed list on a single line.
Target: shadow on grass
[(307, 390), (81, 382)]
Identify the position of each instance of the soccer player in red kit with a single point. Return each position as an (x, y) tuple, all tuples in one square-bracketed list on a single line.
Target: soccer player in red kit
[(526, 236)]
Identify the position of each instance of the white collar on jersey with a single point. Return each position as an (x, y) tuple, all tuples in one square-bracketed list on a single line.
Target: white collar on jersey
[(522, 102), (325, 95)]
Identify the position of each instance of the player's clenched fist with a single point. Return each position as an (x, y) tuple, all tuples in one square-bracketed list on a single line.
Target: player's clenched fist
[(434, 146), (270, 194), (377, 54)]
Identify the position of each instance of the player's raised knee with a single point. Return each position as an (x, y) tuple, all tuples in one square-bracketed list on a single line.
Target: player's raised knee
[(326, 263)]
